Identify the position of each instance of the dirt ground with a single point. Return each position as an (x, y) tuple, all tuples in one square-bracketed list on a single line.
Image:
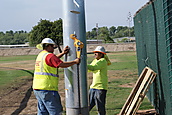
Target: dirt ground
[(19, 99)]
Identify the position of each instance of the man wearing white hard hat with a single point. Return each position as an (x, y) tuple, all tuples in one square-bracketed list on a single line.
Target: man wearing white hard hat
[(98, 88), (45, 82)]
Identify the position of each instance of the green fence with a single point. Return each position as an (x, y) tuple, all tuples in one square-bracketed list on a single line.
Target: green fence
[(153, 31)]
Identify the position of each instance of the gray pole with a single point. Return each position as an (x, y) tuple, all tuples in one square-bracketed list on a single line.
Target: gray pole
[(97, 31), (129, 19), (75, 76)]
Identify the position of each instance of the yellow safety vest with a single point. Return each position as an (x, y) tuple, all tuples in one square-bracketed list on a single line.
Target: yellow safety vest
[(45, 76)]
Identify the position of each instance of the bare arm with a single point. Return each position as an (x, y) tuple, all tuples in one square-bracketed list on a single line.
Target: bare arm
[(70, 63), (65, 51), (60, 55)]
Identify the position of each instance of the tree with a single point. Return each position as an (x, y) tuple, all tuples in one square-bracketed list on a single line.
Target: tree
[(10, 32), (11, 38), (57, 33), (104, 34), (8, 38), (1, 37), (132, 31), (108, 34), (104, 30), (94, 33), (107, 38), (54, 30), (39, 32), (112, 31), (88, 35), (46, 29)]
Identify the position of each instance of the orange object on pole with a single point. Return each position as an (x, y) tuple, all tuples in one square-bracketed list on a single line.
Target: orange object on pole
[(78, 44)]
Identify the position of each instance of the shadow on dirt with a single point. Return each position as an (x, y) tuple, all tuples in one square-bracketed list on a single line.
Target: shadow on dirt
[(23, 103)]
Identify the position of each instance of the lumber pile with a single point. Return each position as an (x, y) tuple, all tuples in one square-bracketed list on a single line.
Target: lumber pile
[(147, 112), (138, 93)]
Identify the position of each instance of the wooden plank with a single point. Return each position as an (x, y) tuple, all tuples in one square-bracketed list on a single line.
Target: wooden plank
[(138, 92), (129, 108), (144, 91), (146, 78), (147, 112), (133, 92)]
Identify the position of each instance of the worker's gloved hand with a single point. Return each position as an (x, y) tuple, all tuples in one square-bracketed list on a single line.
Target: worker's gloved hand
[(66, 50), (77, 60)]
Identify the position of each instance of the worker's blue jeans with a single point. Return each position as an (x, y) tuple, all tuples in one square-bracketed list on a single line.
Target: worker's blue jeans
[(98, 97), (49, 102)]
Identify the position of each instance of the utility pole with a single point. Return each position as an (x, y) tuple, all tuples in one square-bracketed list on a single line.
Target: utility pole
[(129, 19), (97, 30), (75, 76)]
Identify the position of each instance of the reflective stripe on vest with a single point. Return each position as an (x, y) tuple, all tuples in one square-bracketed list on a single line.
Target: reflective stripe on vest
[(45, 76), (43, 73)]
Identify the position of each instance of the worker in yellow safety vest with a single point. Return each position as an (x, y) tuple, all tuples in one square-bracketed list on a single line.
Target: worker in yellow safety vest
[(45, 82), (98, 88)]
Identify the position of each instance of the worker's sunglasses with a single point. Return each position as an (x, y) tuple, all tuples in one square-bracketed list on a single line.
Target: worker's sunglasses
[(54, 46)]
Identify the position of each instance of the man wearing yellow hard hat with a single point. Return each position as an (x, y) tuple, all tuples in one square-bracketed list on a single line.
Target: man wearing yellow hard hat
[(98, 88), (45, 82)]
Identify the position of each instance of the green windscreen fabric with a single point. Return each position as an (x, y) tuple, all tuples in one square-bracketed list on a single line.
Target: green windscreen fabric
[(153, 32)]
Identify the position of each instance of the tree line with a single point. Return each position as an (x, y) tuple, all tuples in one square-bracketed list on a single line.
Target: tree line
[(54, 30), (108, 34), (11, 38)]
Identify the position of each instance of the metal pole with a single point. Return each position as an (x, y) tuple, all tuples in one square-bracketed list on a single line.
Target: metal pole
[(97, 29), (75, 82), (129, 19)]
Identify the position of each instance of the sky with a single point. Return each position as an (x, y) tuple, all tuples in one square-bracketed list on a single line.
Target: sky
[(19, 15)]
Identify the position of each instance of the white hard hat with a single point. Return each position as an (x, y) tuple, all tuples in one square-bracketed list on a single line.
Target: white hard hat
[(100, 49), (45, 41)]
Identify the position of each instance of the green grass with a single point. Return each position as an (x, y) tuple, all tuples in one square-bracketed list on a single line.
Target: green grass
[(9, 76), (123, 71), (124, 61), (17, 58)]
